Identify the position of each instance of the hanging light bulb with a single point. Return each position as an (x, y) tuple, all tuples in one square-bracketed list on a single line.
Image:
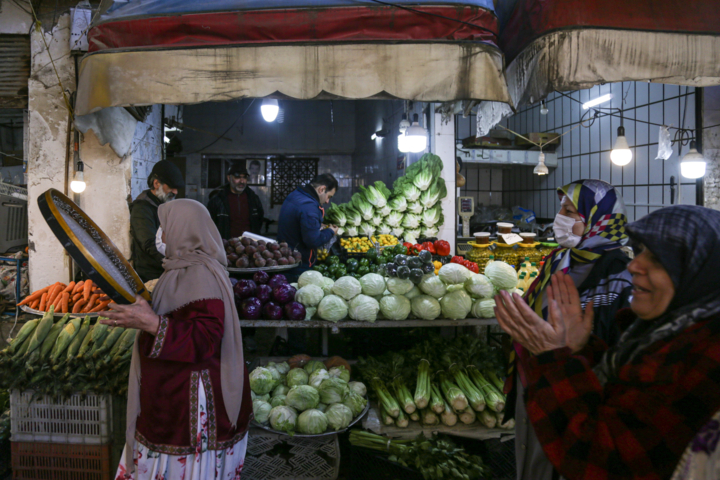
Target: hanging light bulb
[(269, 109), (693, 163), (543, 108), (404, 124), (416, 136), (403, 144), (541, 168), (78, 182), (621, 153)]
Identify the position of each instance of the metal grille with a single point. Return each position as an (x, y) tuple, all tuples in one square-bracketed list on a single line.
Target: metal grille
[(14, 70), (288, 174)]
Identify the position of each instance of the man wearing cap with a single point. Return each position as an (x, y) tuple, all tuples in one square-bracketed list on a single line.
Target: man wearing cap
[(234, 207), (164, 182)]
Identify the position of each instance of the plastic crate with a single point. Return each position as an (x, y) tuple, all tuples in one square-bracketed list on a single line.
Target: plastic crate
[(274, 457), (80, 420), (370, 465), (500, 459), (55, 461)]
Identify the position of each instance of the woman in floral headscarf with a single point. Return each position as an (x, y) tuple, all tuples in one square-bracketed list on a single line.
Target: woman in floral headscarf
[(648, 406), (590, 229)]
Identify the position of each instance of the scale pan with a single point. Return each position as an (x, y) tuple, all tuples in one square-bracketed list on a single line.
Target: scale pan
[(96, 255)]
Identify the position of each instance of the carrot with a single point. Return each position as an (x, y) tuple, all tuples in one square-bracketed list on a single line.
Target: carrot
[(78, 287), (64, 302), (43, 299), (55, 292), (78, 306), (69, 288), (35, 304), (76, 297), (91, 303), (34, 296), (86, 290), (101, 307)]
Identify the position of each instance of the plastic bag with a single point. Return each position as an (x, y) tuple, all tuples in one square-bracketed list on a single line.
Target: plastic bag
[(664, 144)]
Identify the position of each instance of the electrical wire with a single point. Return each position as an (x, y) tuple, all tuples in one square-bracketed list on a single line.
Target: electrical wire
[(403, 7), (226, 131)]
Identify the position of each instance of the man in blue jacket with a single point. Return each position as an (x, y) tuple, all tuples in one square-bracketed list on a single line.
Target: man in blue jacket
[(301, 218)]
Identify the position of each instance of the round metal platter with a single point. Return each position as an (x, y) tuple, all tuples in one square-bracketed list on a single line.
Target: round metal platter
[(279, 268), (27, 309), (355, 420), (96, 255)]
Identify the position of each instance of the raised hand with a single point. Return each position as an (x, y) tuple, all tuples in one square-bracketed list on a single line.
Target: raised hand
[(531, 331), (566, 313)]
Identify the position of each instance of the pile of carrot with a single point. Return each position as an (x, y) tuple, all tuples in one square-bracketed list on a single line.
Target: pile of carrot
[(81, 297)]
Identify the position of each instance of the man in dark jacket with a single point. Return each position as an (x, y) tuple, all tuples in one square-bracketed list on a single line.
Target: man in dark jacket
[(234, 207), (164, 181), (301, 218)]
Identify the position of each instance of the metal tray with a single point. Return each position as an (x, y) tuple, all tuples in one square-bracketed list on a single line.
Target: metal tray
[(40, 313), (278, 268), (301, 435)]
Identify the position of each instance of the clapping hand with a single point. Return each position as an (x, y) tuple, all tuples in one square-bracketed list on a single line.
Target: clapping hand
[(567, 326)]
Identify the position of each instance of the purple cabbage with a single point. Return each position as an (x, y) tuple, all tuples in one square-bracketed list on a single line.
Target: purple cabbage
[(294, 311), (264, 293), (233, 281), (277, 280), (272, 311), (261, 278), (244, 289), (250, 309), (283, 294)]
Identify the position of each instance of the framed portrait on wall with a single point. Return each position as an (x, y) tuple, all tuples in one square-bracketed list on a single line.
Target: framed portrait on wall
[(257, 171)]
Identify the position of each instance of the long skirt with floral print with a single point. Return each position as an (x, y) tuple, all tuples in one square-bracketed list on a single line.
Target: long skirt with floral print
[(204, 464)]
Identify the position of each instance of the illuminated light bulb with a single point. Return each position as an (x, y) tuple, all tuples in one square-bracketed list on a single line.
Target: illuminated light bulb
[(269, 109), (621, 153), (693, 163)]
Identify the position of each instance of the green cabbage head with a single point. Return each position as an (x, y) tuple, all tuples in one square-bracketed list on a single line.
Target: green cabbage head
[(398, 286), (312, 422), (283, 419), (358, 387), (347, 287), (332, 390), (339, 416), (395, 307), (426, 307), (297, 376), (262, 411), (484, 309), (453, 273), (340, 372), (456, 305), (354, 402), (317, 377), (433, 286), (277, 401), (502, 275), (372, 284), (310, 277), (262, 381), (364, 308), (479, 286), (302, 397), (332, 308), (309, 295)]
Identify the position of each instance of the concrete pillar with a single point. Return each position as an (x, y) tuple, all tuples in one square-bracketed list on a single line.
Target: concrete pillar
[(711, 146), (107, 175), (442, 144), (47, 132)]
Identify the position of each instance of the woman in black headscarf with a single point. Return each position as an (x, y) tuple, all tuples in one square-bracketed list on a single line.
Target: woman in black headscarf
[(630, 411)]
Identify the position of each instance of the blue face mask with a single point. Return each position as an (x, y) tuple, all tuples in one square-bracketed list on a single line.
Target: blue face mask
[(159, 243)]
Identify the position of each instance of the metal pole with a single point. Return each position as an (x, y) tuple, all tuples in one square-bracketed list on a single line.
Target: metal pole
[(699, 183)]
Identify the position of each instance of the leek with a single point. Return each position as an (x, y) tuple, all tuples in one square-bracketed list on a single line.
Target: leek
[(448, 417), (488, 418), (495, 402), (429, 418), (423, 390), (402, 421), (474, 396), (455, 397), (468, 416), (385, 399), (402, 394), (437, 402)]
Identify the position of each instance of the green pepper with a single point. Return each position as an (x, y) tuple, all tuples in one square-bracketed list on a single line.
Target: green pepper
[(364, 270), (374, 268), (364, 262), (334, 260), (351, 265), (371, 254)]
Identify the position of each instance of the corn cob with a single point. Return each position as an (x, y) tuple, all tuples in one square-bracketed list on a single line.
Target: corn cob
[(98, 335), (117, 364), (78, 340), (66, 336), (126, 348), (120, 345), (87, 343), (109, 342), (42, 330), (53, 335), (22, 350), (24, 334)]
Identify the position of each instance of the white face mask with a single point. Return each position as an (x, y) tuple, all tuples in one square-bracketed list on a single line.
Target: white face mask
[(564, 235), (159, 243)]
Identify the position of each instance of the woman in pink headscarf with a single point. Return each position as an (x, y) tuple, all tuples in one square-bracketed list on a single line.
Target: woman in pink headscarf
[(188, 411)]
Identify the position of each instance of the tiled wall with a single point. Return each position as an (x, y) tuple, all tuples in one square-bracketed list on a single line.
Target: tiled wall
[(483, 183), (146, 149), (585, 152)]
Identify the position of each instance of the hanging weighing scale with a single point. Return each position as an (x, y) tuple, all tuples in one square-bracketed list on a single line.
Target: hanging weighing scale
[(466, 209), (96, 255)]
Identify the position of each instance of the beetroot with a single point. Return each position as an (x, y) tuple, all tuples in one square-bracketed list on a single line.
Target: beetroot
[(260, 262), (242, 262), (271, 262)]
